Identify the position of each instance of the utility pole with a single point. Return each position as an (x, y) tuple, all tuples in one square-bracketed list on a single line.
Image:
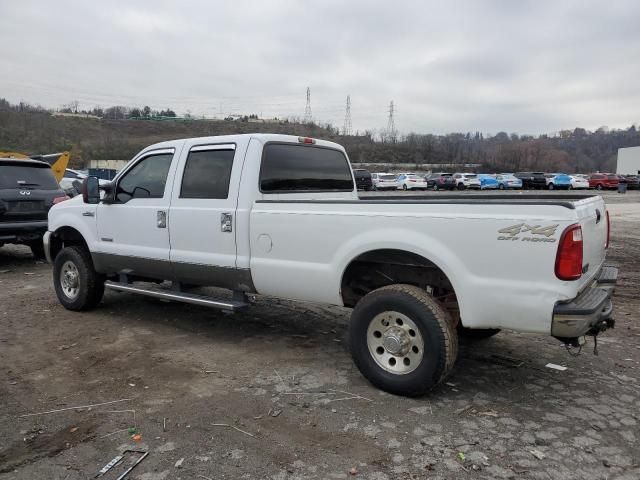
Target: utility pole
[(307, 110), (391, 124), (346, 130)]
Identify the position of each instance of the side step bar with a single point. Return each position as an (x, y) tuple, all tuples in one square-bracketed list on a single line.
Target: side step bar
[(230, 305)]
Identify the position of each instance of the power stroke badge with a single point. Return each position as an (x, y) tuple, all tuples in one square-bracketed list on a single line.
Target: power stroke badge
[(528, 233)]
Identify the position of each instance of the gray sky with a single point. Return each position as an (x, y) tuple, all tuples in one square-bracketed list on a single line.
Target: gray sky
[(517, 66)]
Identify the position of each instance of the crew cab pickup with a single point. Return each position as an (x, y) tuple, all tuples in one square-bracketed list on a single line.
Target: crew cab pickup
[(280, 215)]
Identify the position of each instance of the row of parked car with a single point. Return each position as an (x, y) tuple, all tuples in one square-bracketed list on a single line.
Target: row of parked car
[(481, 181)]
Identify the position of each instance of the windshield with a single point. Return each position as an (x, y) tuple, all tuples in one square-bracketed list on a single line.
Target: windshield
[(14, 176)]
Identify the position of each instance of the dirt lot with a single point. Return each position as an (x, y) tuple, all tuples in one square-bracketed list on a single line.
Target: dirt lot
[(186, 369)]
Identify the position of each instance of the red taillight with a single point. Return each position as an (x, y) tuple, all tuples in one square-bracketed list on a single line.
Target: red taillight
[(606, 245), (569, 256), (57, 200), (306, 140)]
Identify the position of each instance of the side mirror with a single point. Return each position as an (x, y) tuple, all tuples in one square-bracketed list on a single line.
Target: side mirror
[(91, 190)]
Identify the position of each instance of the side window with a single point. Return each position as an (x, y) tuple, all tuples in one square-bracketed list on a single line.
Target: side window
[(68, 174), (146, 179), (207, 174), (301, 168)]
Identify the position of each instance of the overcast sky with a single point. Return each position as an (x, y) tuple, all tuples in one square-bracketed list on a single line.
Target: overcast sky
[(517, 66)]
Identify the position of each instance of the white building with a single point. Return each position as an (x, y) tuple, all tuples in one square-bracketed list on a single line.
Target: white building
[(628, 161)]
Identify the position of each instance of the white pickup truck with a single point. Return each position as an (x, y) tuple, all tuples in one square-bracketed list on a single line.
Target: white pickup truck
[(280, 215)]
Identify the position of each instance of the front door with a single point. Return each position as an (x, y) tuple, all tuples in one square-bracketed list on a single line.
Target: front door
[(133, 231), (202, 217)]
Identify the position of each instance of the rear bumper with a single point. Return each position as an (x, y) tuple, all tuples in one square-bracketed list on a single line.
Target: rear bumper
[(22, 231), (592, 307)]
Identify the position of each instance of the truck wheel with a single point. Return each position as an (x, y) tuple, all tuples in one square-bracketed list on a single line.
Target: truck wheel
[(37, 248), (476, 333), (78, 286), (402, 340)]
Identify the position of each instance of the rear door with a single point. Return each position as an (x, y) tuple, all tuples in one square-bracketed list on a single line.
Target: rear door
[(203, 209)]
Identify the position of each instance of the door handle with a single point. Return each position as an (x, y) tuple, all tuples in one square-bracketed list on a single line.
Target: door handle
[(88, 214), (226, 222), (161, 219)]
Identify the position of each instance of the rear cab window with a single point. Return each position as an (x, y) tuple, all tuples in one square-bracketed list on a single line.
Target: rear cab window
[(291, 168)]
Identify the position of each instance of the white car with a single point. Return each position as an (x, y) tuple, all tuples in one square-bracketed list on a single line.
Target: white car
[(70, 176), (411, 181), (466, 180), (280, 215), (66, 183), (579, 182), (384, 181)]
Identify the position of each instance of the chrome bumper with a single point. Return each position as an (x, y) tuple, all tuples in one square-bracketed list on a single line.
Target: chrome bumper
[(578, 316), (46, 241)]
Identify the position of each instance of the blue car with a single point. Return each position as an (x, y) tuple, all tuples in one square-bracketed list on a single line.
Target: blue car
[(487, 181), (508, 180), (558, 180)]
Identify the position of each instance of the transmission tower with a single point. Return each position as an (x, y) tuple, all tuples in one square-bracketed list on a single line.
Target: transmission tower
[(307, 109), (391, 124), (346, 130)]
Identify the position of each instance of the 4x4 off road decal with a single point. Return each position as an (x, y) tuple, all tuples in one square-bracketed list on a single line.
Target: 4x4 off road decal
[(528, 233)]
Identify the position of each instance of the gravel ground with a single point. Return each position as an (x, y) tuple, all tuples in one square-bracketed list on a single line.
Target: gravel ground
[(280, 377)]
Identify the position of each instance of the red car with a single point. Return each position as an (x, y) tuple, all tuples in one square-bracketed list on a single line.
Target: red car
[(603, 180)]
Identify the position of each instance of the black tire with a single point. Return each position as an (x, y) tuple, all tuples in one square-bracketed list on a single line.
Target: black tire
[(461, 186), (551, 186), (599, 186), (434, 323), (435, 187), (476, 333), (404, 187), (501, 186), (90, 284), (37, 248)]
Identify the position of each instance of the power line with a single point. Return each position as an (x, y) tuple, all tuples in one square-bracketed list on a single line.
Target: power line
[(347, 118), (307, 110)]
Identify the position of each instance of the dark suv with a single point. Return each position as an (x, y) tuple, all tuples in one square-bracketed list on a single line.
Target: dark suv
[(363, 179), (440, 181), (532, 179), (28, 189)]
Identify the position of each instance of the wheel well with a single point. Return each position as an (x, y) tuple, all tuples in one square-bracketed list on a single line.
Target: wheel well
[(66, 237), (378, 268)]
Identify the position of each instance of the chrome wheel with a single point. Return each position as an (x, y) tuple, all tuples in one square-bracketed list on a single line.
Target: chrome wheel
[(395, 342), (70, 280)]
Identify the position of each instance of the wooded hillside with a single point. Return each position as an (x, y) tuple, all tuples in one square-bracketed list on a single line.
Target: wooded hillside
[(34, 130)]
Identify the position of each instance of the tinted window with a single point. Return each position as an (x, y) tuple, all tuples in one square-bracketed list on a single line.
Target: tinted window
[(146, 179), (14, 176), (207, 174), (290, 168)]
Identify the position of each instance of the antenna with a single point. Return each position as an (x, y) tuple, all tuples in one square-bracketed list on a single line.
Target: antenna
[(391, 124), (307, 110), (346, 130)]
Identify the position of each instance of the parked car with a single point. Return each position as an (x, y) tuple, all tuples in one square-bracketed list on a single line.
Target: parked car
[(532, 180), (466, 180), (232, 212), (601, 181), (66, 183), (558, 181), (384, 181), (508, 180), (579, 182), (363, 179), (440, 181), (411, 181), (631, 181), (487, 182), (28, 189)]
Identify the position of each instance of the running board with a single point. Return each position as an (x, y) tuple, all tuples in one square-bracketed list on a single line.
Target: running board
[(232, 305)]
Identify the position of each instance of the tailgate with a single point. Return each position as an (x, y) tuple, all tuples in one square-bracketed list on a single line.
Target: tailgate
[(593, 220)]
